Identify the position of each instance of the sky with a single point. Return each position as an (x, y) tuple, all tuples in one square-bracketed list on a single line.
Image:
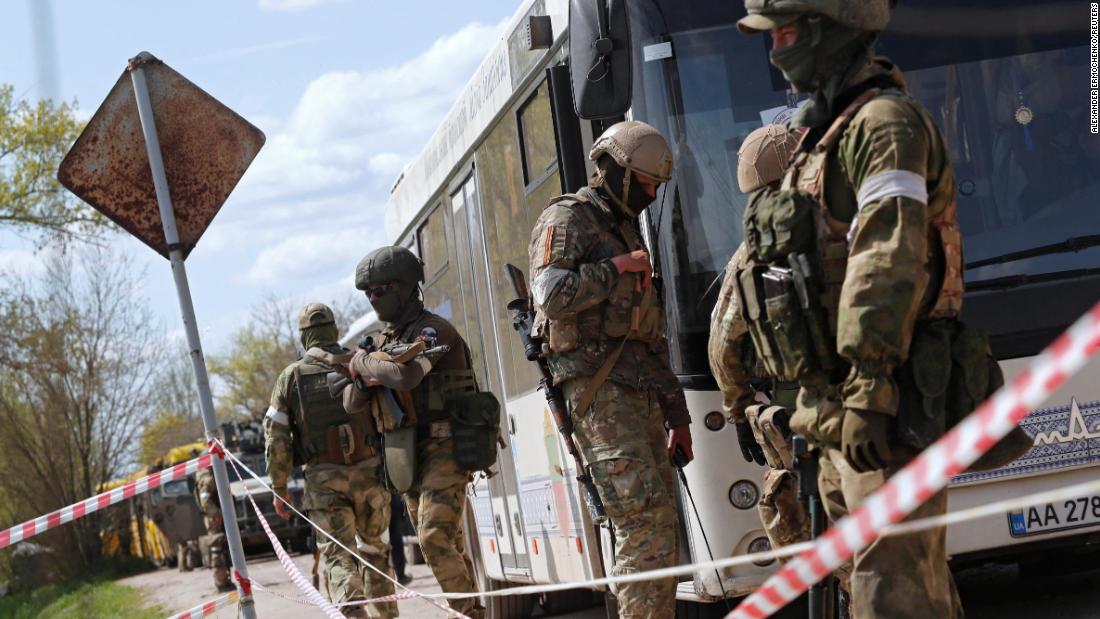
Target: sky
[(346, 91)]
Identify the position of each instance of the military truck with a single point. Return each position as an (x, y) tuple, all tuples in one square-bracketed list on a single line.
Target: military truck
[(246, 441)]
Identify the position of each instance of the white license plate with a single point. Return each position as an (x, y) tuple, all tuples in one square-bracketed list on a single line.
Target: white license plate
[(1068, 514)]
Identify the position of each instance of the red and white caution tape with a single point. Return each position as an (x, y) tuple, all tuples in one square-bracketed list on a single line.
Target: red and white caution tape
[(208, 608), (238, 465), (312, 594), (929, 472), (75, 511)]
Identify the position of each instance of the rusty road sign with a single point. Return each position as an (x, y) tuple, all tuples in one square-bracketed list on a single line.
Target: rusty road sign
[(206, 149)]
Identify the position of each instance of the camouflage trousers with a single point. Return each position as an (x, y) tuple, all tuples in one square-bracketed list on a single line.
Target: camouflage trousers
[(623, 440), (896, 577), (347, 501), (219, 550), (437, 502)]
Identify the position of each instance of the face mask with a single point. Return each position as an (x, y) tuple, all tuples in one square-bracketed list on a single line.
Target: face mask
[(390, 305), (637, 199), (798, 61), (319, 336)]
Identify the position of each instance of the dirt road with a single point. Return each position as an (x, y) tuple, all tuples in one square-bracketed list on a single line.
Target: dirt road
[(993, 592)]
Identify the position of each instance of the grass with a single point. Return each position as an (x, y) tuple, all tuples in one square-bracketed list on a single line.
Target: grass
[(99, 600), (95, 596)]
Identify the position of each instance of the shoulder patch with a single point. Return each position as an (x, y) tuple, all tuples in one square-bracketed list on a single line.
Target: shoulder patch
[(428, 335), (552, 244)]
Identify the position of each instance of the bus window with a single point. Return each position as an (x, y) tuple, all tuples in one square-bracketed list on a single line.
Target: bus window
[(509, 213), (536, 136), (432, 238), (1010, 95)]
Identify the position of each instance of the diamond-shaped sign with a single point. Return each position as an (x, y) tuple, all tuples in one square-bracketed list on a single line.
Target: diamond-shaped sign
[(206, 149)]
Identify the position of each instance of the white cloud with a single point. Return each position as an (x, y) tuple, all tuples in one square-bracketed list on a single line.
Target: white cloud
[(20, 262), (290, 5), (310, 256), (355, 127)]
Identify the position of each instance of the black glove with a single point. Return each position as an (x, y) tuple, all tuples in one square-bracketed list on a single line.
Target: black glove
[(865, 440), (747, 440)]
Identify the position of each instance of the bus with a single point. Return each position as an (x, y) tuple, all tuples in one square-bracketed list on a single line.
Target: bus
[(1010, 92)]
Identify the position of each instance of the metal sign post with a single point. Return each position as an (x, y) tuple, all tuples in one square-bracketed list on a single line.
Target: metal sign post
[(187, 309), (119, 167)]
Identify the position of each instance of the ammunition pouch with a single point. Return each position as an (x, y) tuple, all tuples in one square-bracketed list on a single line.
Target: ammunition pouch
[(787, 324), (475, 424), (950, 371), (346, 445), (779, 223), (474, 415), (563, 334)]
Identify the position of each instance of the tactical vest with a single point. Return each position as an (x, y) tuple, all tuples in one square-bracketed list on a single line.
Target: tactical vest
[(326, 433), (453, 396), (628, 312), (799, 257)]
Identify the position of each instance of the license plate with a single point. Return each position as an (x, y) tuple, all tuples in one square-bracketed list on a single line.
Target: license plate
[(1068, 514)]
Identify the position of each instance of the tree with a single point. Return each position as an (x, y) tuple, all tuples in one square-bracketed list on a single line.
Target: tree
[(79, 354), (258, 353), (263, 347), (177, 419), (33, 141)]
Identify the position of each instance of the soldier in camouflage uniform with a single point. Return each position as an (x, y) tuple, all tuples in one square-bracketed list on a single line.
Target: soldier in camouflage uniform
[(598, 310), (344, 493), (207, 493), (764, 436), (866, 218), (436, 496)]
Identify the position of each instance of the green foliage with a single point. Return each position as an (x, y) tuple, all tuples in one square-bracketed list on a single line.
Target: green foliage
[(259, 352), (100, 599), (168, 430), (33, 141)]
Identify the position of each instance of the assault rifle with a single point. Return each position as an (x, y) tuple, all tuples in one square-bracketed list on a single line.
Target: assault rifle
[(340, 376), (522, 321)]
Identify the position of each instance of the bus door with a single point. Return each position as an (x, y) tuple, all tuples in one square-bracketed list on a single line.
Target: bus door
[(506, 514)]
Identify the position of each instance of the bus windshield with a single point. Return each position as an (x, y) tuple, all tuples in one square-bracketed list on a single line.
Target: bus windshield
[(1008, 90)]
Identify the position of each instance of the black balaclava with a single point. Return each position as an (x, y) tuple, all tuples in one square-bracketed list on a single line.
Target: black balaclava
[(612, 175), (399, 304)]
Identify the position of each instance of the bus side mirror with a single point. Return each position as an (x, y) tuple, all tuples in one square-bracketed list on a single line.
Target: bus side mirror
[(599, 58)]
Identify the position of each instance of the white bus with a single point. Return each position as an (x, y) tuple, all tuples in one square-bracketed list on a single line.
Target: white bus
[(1010, 91)]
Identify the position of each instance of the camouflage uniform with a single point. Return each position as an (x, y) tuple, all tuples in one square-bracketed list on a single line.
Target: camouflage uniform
[(875, 168), (207, 491), (584, 310), (343, 499), (437, 498), (733, 364)]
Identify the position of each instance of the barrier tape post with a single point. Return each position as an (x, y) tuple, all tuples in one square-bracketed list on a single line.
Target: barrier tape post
[(207, 608), (931, 470), (100, 501)]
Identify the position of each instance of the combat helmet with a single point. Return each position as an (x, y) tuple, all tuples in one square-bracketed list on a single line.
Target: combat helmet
[(315, 315), (636, 148), (763, 157), (866, 15), (389, 264)]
